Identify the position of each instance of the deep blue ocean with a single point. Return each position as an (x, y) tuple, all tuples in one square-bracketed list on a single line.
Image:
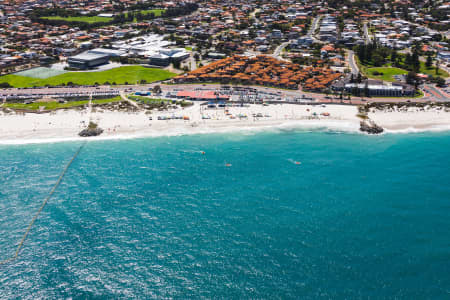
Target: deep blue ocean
[(361, 217)]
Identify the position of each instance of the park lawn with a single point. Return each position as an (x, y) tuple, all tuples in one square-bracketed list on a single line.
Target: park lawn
[(432, 71), (57, 105), (86, 19), (368, 70), (157, 12), (120, 75), (388, 73), (97, 19)]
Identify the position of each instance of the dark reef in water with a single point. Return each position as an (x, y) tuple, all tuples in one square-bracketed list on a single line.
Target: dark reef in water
[(370, 127)]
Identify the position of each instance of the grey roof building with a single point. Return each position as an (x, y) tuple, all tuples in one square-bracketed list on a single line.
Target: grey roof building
[(88, 60)]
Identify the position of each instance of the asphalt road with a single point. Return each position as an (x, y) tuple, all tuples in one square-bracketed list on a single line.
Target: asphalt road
[(366, 33), (278, 50), (352, 63), (433, 94), (313, 28)]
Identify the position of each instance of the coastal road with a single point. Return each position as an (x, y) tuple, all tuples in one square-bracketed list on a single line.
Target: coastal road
[(124, 90), (352, 62)]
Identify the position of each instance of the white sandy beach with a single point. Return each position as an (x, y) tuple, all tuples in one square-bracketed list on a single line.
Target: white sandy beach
[(413, 119), (65, 125)]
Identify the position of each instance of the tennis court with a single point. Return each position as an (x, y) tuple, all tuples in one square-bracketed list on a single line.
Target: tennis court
[(40, 72)]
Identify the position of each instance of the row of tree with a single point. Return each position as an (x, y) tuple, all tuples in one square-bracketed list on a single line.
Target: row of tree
[(374, 55)]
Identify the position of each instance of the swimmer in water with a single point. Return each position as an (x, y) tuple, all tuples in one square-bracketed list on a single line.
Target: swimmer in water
[(298, 163), (227, 165)]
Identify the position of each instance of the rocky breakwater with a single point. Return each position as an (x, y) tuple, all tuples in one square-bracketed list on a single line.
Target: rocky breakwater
[(91, 130), (366, 124), (370, 127)]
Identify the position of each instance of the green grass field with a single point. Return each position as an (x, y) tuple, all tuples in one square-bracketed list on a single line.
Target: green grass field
[(96, 19), (157, 12), (388, 73), (90, 20), (432, 71), (57, 105), (121, 75)]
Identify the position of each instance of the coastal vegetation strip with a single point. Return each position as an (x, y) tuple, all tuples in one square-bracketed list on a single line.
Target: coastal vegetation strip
[(158, 102), (57, 105), (146, 100), (120, 75)]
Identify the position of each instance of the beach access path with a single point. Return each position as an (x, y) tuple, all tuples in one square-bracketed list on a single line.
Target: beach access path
[(125, 98)]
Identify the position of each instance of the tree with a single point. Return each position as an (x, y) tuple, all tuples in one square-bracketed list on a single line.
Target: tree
[(377, 60), (176, 64), (366, 89), (156, 89), (429, 62), (440, 82), (415, 61), (411, 78), (408, 60), (5, 85), (394, 57), (139, 16)]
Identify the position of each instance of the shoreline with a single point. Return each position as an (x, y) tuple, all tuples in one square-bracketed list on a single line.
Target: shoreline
[(64, 126)]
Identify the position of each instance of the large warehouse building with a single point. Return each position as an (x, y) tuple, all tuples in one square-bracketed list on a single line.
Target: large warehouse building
[(87, 60), (93, 58)]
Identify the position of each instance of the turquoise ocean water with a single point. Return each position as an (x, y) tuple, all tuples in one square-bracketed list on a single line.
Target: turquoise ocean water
[(360, 217)]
